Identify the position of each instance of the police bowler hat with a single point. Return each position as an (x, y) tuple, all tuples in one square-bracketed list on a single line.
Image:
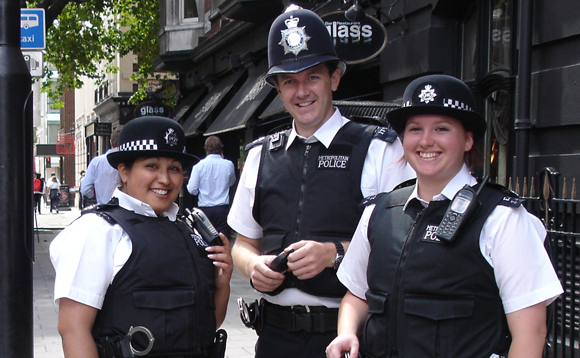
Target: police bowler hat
[(151, 136), (438, 94), (299, 40)]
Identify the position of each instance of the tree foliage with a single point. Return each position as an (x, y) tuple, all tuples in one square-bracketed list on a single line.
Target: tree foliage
[(82, 34)]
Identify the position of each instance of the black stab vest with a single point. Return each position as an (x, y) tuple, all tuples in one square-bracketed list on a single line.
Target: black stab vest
[(427, 298), (166, 285), (310, 192)]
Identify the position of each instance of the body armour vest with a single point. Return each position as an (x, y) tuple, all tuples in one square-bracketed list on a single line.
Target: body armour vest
[(166, 285), (428, 298), (309, 192)]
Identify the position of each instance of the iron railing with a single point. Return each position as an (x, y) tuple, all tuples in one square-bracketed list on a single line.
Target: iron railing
[(559, 209)]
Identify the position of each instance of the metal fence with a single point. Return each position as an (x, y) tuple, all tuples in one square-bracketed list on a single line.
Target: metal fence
[(554, 201)]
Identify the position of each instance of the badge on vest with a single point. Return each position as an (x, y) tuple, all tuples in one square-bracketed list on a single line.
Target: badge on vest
[(340, 162), (198, 240), (430, 234)]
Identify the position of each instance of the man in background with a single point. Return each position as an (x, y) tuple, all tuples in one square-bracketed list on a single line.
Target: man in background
[(101, 179), (211, 180), (38, 187)]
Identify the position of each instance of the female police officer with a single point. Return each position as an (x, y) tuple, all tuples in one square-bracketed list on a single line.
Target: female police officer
[(427, 296), (130, 263)]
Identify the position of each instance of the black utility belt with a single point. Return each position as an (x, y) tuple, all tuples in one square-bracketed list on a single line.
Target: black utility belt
[(310, 319)]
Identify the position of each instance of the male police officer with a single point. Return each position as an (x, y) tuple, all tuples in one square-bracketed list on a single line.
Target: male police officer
[(300, 191)]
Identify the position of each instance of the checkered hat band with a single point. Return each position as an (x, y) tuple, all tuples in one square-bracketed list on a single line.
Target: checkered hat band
[(451, 103), (138, 145)]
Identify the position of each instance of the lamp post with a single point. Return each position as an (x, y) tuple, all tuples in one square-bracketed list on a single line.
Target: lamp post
[(16, 210)]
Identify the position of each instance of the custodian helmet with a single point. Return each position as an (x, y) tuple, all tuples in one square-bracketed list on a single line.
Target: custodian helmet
[(299, 40)]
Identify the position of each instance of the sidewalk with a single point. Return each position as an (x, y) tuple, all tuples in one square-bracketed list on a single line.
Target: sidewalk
[(47, 342)]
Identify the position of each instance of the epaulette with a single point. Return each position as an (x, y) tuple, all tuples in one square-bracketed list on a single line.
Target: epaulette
[(510, 199), (255, 143), (373, 199), (99, 210), (385, 134), (405, 184)]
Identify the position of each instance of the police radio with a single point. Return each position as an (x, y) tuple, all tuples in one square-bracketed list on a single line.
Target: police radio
[(459, 211), (280, 263), (204, 227)]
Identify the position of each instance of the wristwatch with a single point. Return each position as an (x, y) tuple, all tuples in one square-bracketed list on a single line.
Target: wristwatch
[(339, 255)]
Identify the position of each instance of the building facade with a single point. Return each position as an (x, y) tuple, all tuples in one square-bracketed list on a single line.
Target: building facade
[(524, 79)]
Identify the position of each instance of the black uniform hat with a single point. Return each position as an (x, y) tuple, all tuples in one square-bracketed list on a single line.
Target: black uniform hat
[(438, 94), (299, 40), (151, 136)]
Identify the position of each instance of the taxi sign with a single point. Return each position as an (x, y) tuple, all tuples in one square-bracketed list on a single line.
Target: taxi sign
[(32, 29)]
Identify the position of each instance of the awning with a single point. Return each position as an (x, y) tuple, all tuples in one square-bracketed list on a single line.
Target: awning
[(188, 103), (45, 150), (372, 112), (210, 103), (245, 103)]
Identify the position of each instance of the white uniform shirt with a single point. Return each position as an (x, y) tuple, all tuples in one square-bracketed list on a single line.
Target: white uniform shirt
[(89, 252), (383, 169), (511, 240)]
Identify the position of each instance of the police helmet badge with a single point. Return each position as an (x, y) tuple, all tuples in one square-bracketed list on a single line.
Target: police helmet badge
[(427, 94), (171, 137), (294, 39)]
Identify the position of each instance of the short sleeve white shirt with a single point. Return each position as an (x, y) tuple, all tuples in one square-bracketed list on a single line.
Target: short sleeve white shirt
[(511, 240), (90, 251)]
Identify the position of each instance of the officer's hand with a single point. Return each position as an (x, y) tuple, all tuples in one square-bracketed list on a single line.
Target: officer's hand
[(222, 259), (263, 278), (344, 343), (310, 258)]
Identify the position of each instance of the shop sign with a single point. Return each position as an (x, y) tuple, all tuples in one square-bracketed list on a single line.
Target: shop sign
[(355, 41), (151, 109)]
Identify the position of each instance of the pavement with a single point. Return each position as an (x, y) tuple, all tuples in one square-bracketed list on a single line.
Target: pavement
[(47, 342)]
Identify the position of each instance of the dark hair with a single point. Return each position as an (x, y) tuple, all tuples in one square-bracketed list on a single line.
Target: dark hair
[(115, 136), (213, 145)]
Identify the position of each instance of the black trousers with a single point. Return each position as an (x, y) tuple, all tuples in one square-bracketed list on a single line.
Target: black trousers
[(279, 343), (37, 202), (218, 216)]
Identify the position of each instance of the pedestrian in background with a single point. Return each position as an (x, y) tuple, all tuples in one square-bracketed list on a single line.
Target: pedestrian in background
[(300, 191), (419, 286), (133, 262), (81, 196), (211, 180), (38, 188), (54, 193), (101, 179)]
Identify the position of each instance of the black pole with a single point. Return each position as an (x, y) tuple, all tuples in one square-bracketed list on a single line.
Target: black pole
[(523, 123), (16, 210)]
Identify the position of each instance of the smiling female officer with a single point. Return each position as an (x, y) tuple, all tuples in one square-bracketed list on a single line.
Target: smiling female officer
[(132, 263), (422, 295)]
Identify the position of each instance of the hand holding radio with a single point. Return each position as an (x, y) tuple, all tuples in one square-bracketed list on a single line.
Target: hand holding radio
[(280, 263), (198, 220)]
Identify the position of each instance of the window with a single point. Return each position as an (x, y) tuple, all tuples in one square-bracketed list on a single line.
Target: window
[(189, 11)]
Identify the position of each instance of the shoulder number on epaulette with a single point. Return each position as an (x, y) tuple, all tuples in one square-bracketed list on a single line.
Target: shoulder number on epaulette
[(510, 198), (385, 134), (373, 199), (511, 201)]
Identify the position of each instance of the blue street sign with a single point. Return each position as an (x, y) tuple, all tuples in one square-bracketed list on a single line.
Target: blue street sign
[(32, 29)]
